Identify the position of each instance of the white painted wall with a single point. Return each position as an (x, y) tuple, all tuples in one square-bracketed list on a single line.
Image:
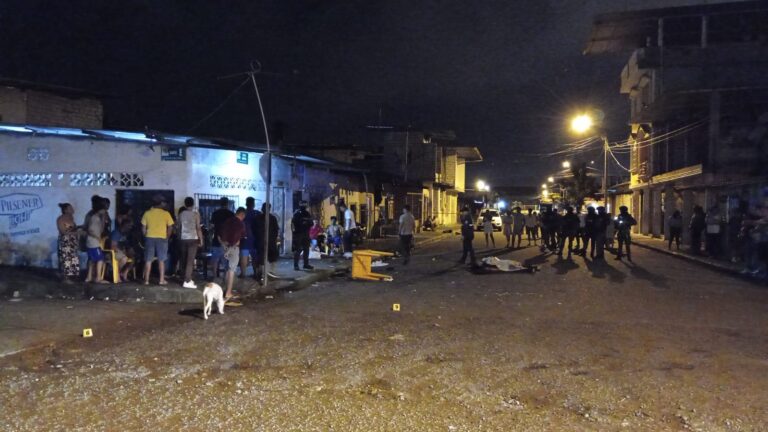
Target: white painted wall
[(33, 240)]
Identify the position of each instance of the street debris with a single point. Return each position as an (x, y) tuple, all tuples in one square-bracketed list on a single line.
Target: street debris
[(397, 337)]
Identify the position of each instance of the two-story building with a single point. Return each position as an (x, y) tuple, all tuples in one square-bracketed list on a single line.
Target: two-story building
[(697, 82), (425, 170)]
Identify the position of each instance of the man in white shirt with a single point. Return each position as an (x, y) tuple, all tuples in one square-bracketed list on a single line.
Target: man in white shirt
[(530, 226), (405, 230), (349, 225)]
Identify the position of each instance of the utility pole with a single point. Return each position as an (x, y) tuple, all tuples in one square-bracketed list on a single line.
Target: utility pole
[(605, 170), (256, 69)]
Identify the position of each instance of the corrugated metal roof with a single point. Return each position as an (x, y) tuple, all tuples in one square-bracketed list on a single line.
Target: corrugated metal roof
[(160, 138)]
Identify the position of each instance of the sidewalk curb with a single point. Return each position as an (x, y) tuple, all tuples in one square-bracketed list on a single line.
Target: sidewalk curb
[(435, 239), (711, 265)]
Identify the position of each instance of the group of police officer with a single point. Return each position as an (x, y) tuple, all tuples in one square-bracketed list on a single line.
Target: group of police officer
[(593, 229)]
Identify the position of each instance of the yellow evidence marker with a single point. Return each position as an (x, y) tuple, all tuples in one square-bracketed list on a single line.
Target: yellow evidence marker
[(396, 307), (87, 333)]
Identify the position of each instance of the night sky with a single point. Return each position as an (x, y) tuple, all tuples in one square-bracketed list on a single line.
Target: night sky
[(504, 75)]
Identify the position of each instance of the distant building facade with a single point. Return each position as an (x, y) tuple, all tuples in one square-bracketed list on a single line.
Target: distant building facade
[(697, 82)]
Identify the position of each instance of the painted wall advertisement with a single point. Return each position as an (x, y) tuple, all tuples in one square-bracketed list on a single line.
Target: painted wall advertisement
[(17, 208)]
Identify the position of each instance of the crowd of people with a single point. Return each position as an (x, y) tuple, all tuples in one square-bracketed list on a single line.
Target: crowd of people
[(571, 230), (235, 239), (739, 236)]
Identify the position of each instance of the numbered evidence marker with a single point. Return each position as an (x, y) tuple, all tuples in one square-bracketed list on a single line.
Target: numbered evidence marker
[(87, 333), (396, 307)]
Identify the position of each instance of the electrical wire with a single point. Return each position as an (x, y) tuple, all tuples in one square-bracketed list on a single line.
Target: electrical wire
[(221, 105), (617, 161), (575, 146), (632, 143)]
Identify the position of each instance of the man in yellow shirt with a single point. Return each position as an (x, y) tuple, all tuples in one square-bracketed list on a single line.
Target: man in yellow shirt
[(157, 225)]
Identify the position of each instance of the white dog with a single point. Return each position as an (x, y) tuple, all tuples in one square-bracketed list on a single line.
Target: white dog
[(211, 293)]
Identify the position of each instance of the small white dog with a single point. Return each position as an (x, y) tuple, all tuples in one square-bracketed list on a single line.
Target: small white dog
[(212, 292)]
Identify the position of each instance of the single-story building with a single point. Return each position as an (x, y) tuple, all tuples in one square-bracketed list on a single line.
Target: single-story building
[(42, 166)]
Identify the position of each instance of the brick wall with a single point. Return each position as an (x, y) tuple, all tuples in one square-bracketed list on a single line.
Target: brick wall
[(53, 110), (13, 108)]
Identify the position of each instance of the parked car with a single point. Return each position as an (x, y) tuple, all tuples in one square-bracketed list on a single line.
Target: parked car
[(495, 219)]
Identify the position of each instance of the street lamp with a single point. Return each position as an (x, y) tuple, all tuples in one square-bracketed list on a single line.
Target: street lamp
[(544, 186), (566, 164), (551, 179), (583, 123)]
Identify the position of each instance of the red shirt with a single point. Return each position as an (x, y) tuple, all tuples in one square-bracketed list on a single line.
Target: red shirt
[(315, 231), (232, 230)]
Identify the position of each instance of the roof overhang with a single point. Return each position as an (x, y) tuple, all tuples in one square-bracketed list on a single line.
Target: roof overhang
[(469, 154), (629, 30)]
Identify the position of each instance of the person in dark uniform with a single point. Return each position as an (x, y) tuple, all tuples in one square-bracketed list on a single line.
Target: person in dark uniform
[(569, 227), (598, 237), (588, 235), (301, 223), (467, 235), (623, 224)]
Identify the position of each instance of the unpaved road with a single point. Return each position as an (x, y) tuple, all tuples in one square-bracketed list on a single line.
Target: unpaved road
[(660, 345)]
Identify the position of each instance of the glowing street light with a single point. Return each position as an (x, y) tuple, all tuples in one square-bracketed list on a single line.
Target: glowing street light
[(482, 186), (582, 123), (543, 185), (566, 164), (551, 179)]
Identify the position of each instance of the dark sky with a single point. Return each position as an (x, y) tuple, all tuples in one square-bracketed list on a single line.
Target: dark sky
[(502, 74)]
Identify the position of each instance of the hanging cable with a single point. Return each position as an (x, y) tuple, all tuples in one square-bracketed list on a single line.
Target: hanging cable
[(617, 161), (221, 105)]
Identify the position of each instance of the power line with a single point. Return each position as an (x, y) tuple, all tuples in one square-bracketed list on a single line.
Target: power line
[(221, 105)]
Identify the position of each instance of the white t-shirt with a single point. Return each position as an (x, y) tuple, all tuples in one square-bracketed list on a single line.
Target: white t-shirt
[(407, 224), (349, 220)]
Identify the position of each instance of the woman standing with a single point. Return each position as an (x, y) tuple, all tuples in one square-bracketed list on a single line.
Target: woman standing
[(68, 248), (506, 222), (488, 227)]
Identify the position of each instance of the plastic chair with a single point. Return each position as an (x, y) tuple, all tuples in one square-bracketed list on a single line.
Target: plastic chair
[(361, 265), (110, 259)]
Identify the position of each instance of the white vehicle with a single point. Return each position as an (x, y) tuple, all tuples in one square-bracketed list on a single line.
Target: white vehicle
[(495, 219)]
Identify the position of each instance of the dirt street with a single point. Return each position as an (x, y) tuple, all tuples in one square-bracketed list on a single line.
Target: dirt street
[(653, 346)]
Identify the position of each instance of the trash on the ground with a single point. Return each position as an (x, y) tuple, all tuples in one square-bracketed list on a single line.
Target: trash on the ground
[(315, 255), (378, 263), (16, 294), (70, 307), (87, 333), (269, 297), (397, 337), (361, 265), (396, 307)]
